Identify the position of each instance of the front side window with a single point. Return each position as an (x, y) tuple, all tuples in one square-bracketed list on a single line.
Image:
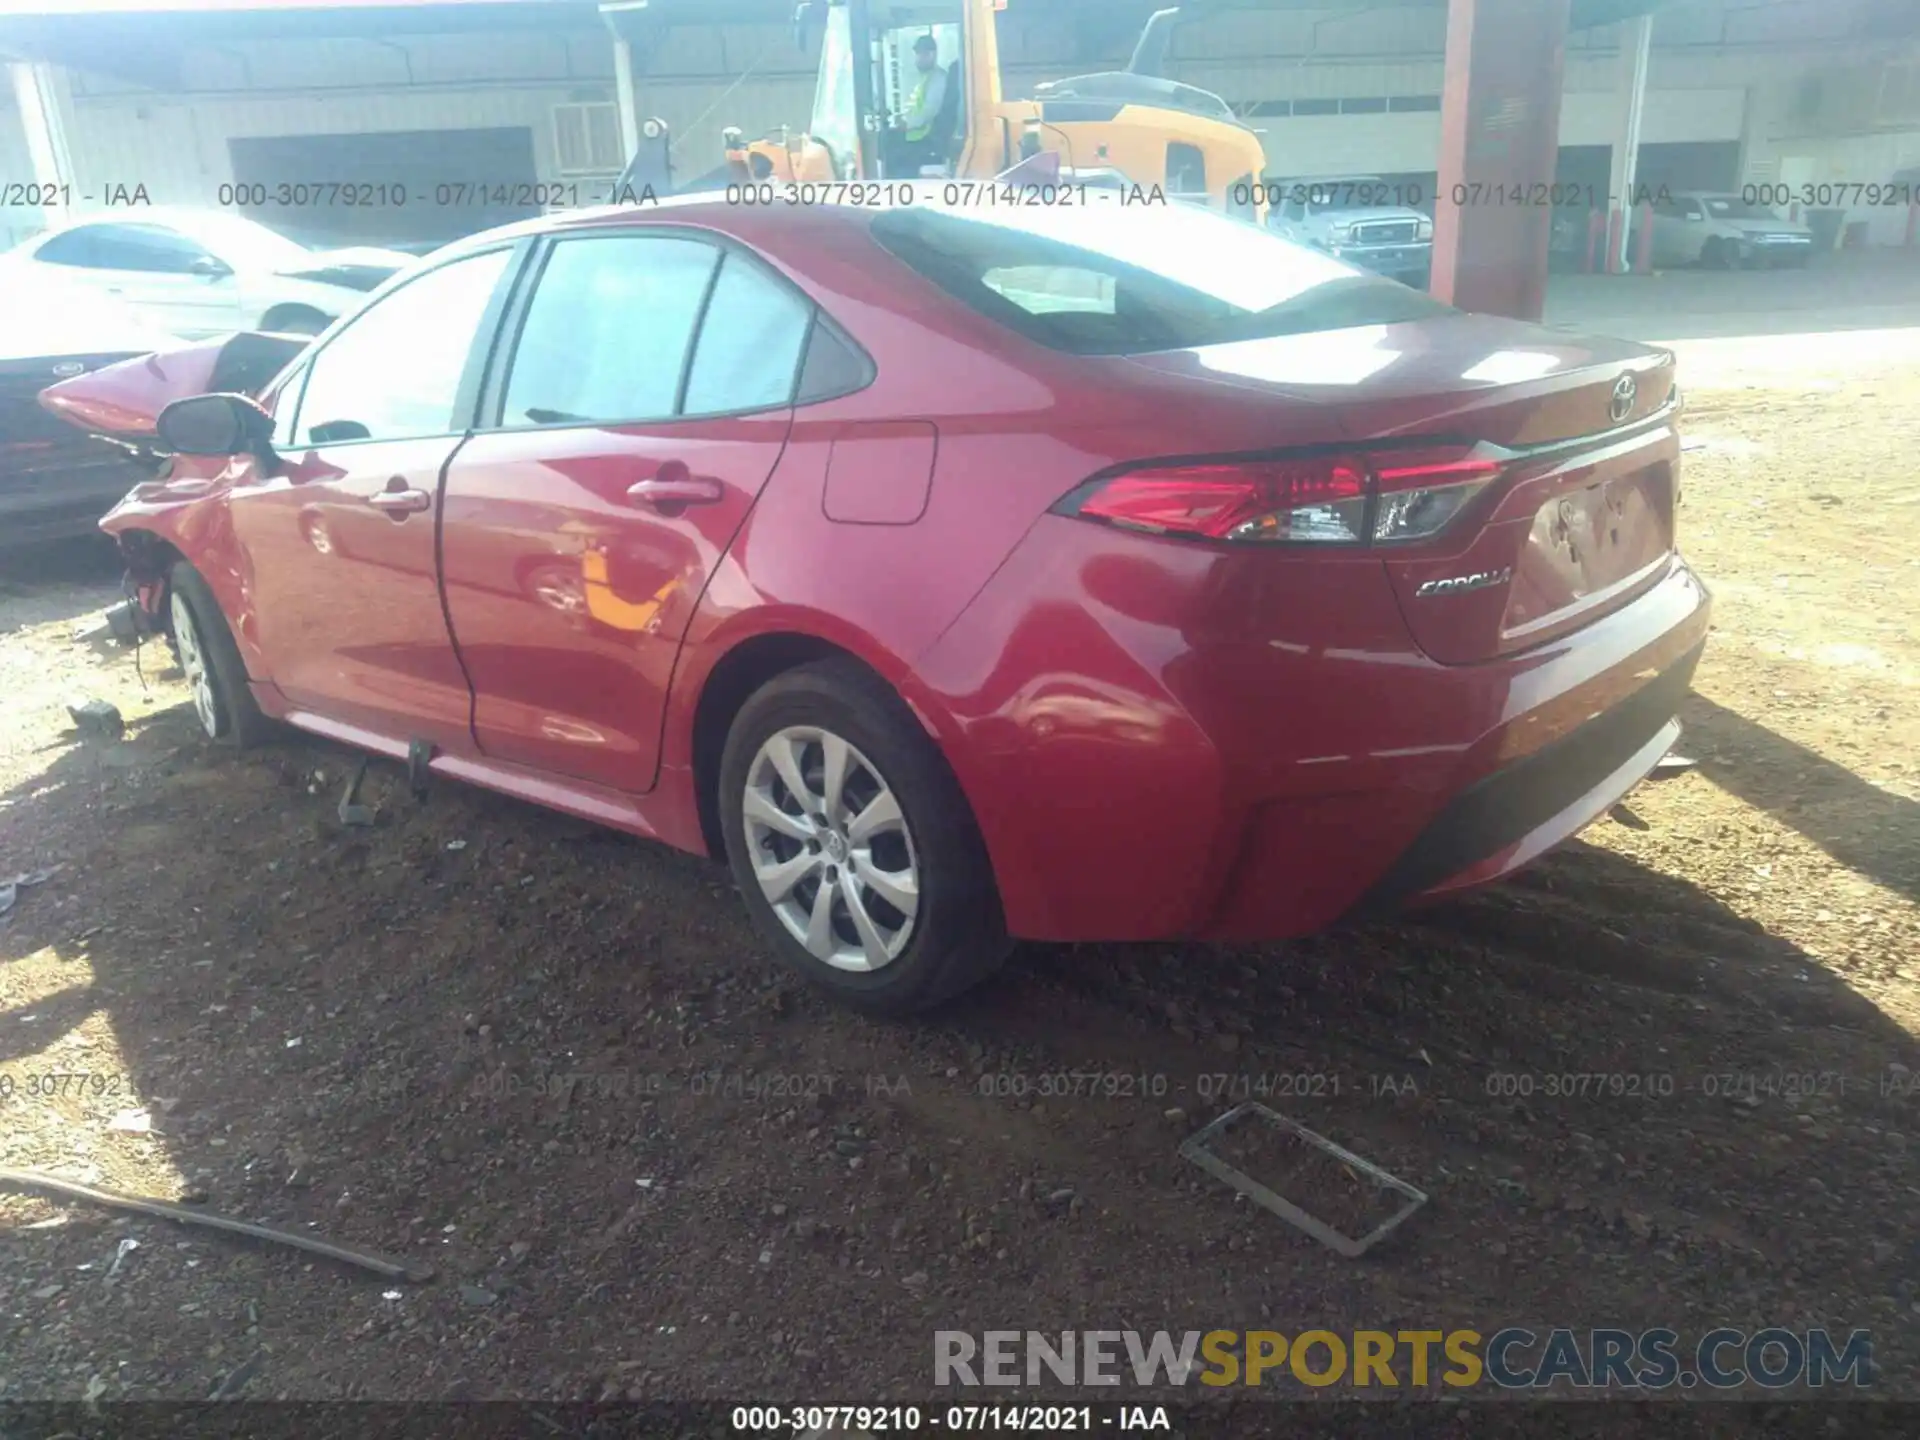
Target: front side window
[(394, 373), (1091, 282), (607, 332), (149, 248)]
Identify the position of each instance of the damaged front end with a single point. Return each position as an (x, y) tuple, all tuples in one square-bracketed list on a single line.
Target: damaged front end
[(121, 404)]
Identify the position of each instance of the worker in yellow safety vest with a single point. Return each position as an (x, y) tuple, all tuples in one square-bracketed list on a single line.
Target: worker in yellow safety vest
[(913, 143)]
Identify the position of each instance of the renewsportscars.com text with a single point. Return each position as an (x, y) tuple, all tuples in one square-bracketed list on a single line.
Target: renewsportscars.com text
[(1513, 1358)]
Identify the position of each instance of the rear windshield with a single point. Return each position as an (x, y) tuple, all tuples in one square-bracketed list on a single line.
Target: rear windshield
[(1109, 280)]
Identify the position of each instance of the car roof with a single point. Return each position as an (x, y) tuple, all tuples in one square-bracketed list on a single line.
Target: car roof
[(707, 210)]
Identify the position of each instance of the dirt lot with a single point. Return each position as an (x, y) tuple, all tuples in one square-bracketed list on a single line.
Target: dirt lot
[(751, 1195)]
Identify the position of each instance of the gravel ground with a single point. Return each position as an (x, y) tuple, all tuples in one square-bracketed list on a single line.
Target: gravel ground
[(749, 1194)]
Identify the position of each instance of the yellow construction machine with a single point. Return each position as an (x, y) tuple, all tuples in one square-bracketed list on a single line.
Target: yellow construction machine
[(872, 120)]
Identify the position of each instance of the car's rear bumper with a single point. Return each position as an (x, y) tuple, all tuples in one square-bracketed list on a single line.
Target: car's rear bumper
[(1160, 746), (1510, 817)]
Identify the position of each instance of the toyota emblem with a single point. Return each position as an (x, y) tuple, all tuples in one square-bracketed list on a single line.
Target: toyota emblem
[(1625, 392), (67, 369)]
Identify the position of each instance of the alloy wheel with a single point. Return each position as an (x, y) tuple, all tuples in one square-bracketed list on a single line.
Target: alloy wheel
[(830, 848), (193, 662)]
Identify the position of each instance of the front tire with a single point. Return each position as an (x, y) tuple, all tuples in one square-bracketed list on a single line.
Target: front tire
[(211, 662), (856, 852)]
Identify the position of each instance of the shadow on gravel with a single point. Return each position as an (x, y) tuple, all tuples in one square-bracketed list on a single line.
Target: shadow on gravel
[(87, 559), (324, 1010), (1860, 825), (354, 1032)]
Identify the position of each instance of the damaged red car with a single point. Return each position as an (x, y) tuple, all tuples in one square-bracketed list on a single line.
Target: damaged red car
[(1070, 575)]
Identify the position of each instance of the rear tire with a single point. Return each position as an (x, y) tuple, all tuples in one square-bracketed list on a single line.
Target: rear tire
[(211, 661), (853, 846)]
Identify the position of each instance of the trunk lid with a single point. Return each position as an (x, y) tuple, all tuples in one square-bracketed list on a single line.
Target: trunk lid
[(125, 400), (1580, 519)]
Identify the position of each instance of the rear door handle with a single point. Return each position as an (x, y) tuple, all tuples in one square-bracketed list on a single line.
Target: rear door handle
[(401, 502), (671, 494)]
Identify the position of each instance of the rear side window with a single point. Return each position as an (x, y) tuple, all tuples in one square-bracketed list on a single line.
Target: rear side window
[(608, 330), (834, 365), (750, 342), (1160, 278)]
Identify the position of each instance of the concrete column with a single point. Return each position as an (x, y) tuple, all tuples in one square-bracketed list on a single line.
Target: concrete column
[(40, 92), (1499, 138), (1636, 40), (625, 94)]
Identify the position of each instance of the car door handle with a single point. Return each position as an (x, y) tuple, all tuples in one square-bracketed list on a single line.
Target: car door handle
[(401, 502), (673, 493)]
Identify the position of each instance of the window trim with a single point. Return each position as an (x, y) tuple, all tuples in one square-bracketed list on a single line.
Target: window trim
[(491, 411), (479, 354)]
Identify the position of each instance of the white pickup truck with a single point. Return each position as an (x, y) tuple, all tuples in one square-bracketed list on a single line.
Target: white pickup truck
[(1362, 219)]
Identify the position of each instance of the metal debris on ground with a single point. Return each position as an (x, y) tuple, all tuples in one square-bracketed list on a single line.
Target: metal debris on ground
[(10, 888), (352, 812), (1670, 765), (1621, 815), (124, 622), (236, 1379), (98, 719), (39, 1182), (1195, 1149), (126, 1247)]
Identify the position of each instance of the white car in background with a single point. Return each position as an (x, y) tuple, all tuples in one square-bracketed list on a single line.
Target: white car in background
[(1723, 231), (198, 273)]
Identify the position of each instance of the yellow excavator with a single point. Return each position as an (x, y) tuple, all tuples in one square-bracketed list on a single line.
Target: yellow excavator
[(871, 122)]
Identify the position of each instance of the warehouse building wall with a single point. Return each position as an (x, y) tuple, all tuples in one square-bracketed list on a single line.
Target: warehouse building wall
[(1331, 91)]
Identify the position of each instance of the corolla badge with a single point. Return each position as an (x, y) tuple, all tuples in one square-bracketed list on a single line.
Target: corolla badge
[(67, 369), (1457, 584), (1625, 392)]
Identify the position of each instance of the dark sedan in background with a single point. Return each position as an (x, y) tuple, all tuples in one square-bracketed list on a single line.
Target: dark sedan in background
[(57, 481)]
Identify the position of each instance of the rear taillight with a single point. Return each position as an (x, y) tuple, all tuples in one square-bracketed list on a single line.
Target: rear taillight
[(1380, 497)]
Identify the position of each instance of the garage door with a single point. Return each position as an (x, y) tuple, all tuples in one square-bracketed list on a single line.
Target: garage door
[(437, 185)]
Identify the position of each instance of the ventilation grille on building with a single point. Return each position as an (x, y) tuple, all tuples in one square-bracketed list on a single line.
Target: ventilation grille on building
[(587, 138)]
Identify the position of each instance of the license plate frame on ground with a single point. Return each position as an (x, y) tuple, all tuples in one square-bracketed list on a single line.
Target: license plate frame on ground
[(1194, 1148)]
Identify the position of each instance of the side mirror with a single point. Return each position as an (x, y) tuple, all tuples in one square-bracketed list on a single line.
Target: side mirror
[(207, 267), (215, 425)]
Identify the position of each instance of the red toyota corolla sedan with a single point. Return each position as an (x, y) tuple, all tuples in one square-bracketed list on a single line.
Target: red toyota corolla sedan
[(1103, 573)]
